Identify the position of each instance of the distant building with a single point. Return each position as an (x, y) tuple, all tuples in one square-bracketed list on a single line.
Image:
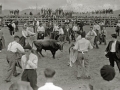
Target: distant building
[(0, 9)]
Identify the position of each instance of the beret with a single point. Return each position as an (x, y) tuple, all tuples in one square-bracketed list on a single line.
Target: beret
[(107, 72)]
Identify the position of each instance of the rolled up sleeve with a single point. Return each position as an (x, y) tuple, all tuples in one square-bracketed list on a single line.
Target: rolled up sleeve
[(20, 48)]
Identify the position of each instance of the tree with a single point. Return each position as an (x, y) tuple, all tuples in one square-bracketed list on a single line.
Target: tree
[(31, 13)]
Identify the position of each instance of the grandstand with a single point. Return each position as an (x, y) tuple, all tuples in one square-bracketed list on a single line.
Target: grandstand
[(59, 16)]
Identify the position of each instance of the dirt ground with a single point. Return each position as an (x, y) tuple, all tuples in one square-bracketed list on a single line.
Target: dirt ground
[(65, 76)]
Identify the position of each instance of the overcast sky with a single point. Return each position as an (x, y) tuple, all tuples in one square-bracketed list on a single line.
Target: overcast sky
[(77, 5)]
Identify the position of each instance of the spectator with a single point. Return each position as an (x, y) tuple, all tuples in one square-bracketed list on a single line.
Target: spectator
[(49, 74), (2, 40), (107, 72), (21, 85)]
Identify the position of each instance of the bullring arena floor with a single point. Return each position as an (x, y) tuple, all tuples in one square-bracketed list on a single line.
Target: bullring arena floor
[(65, 76)]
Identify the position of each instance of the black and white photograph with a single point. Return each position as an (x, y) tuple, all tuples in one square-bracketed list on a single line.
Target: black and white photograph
[(59, 44)]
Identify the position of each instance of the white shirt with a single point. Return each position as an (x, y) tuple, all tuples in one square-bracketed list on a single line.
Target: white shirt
[(113, 47), (75, 28), (118, 24), (31, 63), (91, 33), (67, 29), (78, 38), (61, 31), (27, 32), (14, 46), (30, 29), (56, 28), (83, 45), (41, 29), (49, 86), (96, 27), (13, 25), (37, 23)]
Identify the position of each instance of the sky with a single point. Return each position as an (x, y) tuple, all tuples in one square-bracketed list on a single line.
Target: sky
[(76, 5)]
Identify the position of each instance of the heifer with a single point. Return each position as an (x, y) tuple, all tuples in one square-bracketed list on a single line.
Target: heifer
[(49, 44)]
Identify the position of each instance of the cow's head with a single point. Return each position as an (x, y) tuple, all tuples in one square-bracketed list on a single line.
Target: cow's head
[(61, 46)]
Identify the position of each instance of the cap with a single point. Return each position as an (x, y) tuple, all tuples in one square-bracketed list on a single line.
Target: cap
[(107, 72)]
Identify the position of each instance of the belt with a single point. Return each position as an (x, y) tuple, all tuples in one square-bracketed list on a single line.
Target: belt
[(82, 52)]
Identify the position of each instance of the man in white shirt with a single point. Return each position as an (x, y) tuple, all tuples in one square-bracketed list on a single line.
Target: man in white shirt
[(113, 51), (40, 31), (61, 33), (29, 63), (82, 61), (35, 25), (91, 35), (49, 74), (14, 52), (118, 28), (75, 29), (56, 31), (103, 36), (96, 28)]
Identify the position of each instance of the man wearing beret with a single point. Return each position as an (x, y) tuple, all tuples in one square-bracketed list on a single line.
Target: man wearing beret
[(29, 65), (113, 51)]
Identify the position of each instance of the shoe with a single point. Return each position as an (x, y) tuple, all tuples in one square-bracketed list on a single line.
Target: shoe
[(7, 81), (78, 78), (97, 47), (17, 74)]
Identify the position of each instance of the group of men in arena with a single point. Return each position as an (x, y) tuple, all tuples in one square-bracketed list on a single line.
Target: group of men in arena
[(20, 52)]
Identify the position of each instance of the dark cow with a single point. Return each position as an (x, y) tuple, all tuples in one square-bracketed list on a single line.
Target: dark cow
[(49, 44)]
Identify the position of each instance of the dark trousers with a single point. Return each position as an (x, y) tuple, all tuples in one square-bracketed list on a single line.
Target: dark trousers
[(81, 28), (73, 35), (40, 36), (67, 38), (113, 58), (95, 41), (103, 39), (30, 75), (12, 32), (16, 29), (0, 44)]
